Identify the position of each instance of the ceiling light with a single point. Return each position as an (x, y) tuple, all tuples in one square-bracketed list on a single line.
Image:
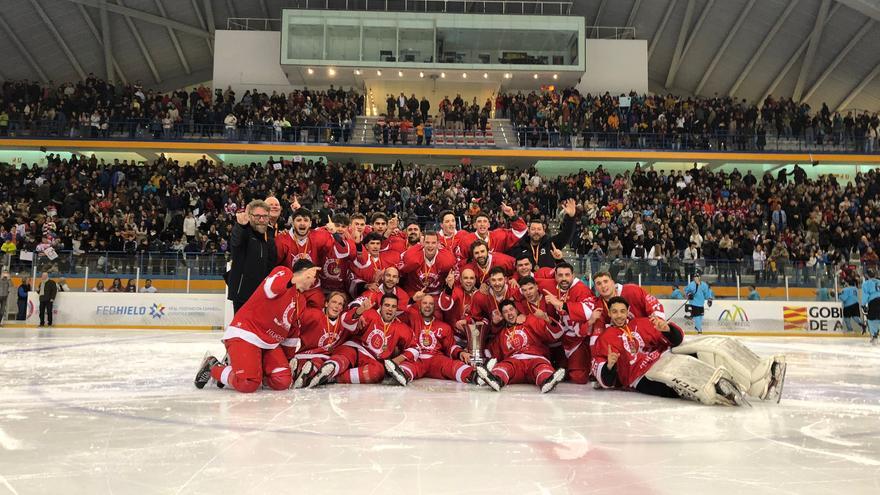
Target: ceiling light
[(421, 74), (507, 75), (331, 71), (357, 72), (535, 76), (485, 75), (378, 72), (464, 75), (400, 73), (443, 74), (555, 76), (310, 71)]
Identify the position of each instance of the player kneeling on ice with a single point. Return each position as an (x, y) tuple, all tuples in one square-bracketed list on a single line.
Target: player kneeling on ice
[(523, 352), (439, 355), (379, 336), (266, 321), (635, 355)]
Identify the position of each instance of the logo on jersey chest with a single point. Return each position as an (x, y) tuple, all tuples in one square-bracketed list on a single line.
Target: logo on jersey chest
[(377, 341), (302, 256), (517, 339), (285, 316), (328, 340), (633, 345), (332, 269), (427, 339)]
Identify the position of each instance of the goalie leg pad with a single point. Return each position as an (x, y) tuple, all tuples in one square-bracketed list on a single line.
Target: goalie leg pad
[(691, 378), (751, 372)]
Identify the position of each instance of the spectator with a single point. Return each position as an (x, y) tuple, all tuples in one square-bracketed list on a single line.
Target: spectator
[(48, 290), (99, 286), (5, 289), (130, 286), (116, 286), (253, 252), (676, 293), (23, 289), (62, 285), (148, 287)]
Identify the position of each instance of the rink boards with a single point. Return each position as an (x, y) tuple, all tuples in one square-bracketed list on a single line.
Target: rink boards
[(210, 312)]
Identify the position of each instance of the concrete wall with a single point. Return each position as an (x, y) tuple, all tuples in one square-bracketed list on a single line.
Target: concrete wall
[(249, 59), (616, 66)]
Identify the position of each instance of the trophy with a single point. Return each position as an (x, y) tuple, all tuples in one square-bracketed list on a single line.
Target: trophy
[(476, 341)]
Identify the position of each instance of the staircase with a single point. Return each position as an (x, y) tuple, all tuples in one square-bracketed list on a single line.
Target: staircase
[(499, 134)]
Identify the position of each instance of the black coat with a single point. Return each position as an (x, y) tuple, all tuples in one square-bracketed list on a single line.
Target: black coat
[(545, 259), (50, 292), (253, 257)]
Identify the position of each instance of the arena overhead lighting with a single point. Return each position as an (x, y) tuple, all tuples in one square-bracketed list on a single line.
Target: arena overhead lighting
[(485, 75), (310, 71), (464, 75), (443, 75), (400, 73), (357, 72), (507, 75), (378, 72), (535, 76), (421, 74), (555, 76), (331, 72)]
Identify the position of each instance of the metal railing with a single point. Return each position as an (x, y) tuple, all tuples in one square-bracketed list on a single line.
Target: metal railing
[(253, 24), (523, 7), (610, 32)]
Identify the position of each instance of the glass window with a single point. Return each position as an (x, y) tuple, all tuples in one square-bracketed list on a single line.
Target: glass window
[(343, 43), (305, 41), (380, 44)]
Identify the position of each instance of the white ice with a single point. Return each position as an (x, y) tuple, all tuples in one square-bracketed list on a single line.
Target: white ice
[(93, 412)]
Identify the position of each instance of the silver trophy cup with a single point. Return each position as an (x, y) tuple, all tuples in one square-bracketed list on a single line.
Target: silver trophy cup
[(476, 342)]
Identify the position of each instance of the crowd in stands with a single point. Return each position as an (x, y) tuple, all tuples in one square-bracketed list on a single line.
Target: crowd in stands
[(565, 117), (669, 224), (94, 108)]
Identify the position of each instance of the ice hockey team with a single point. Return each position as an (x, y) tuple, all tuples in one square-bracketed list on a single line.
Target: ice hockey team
[(351, 302)]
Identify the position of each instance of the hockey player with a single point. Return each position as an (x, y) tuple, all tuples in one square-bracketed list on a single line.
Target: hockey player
[(439, 356), (379, 336), (523, 267), (368, 265), (388, 285), (268, 319), (482, 261), (699, 295), (425, 266), (321, 333), (522, 352), (871, 301), (852, 312), (450, 237), (487, 302), (499, 240), (633, 354), (456, 301)]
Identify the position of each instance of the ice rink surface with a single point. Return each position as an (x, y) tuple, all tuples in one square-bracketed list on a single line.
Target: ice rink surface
[(115, 412)]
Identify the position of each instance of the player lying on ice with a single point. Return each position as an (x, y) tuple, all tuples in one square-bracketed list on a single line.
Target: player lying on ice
[(650, 357), (259, 332)]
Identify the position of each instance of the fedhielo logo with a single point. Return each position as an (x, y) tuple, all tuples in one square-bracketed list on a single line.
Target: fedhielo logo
[(157, 310)]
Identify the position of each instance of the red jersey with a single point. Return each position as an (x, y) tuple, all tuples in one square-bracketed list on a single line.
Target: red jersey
[(433, 337), (456, 305), (499, 240), (495, 259), (485, 305), (320, 335), (639, 344), (528, 340), (270, 316), (336, 271), (381, 340), (641, 305), (539, 274), (316, 247), (453, 243), (365, 266), (394, 242), (418, 274), (578, 295)]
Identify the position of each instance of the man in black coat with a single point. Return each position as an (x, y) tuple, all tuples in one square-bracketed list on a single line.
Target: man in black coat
[(48, 290), (252, 246), (538, 246)]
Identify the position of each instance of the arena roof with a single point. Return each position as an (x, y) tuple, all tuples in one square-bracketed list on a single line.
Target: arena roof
[(816, 50)]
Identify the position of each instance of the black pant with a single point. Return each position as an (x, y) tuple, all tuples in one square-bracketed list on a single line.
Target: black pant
[(46, 308), (22, 310), (650, 387), (236, 305)]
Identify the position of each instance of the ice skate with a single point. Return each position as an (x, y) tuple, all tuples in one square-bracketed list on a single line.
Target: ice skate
[(395, 371), (489, 378), (873, 340), (323, 376), (553, 380), (300, 380), (777, 381), (729, 394), (223, 362), (204, 374)]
